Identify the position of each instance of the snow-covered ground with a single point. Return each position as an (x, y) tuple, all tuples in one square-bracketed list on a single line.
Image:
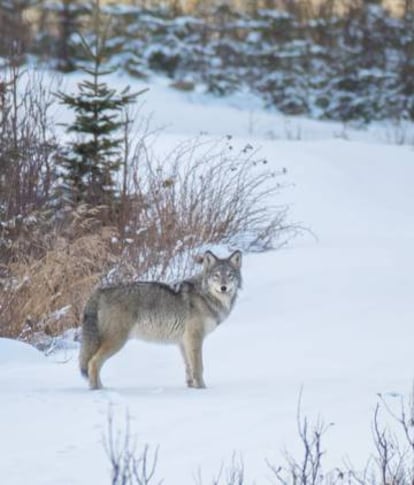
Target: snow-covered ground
[(331, 315)]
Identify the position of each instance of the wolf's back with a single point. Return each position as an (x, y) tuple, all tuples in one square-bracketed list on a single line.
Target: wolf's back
[(90, 333)]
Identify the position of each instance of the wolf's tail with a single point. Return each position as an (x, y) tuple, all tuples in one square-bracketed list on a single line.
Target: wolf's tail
[(90, 334)]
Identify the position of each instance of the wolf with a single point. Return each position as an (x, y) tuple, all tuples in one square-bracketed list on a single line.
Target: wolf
[(182, 314)]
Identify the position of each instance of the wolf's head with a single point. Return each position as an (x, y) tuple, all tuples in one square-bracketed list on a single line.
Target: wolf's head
[(222, 277)]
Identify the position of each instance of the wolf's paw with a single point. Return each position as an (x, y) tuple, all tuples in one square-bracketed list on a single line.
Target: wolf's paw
[(199, 385), (196, 384), (95, 386), (190, 383)]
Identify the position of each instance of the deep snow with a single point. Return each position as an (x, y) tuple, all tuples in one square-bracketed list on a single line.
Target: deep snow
[(332, 314)]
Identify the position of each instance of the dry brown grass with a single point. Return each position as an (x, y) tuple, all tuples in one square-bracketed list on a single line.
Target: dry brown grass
[(45, 294)]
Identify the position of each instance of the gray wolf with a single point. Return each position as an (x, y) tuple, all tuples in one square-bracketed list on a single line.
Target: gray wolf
[(182, 314)]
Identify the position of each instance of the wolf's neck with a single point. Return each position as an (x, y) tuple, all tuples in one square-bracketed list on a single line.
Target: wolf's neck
[(219, 306)]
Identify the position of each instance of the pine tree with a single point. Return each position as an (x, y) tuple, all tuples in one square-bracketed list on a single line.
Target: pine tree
[(68, 19), (95, 156), (14, 28)]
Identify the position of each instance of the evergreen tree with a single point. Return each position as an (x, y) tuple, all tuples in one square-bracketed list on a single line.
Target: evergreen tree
[(95, 156), (14, 28), (68, 18)]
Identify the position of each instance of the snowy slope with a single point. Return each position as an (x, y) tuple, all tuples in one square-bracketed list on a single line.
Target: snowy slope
[(332, 314)]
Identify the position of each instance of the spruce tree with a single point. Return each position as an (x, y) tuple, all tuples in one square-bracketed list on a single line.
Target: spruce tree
[(92, 160), (69, 15)]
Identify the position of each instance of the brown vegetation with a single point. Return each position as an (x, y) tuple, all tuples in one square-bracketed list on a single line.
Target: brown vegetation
[(44, 291), (51, 256)]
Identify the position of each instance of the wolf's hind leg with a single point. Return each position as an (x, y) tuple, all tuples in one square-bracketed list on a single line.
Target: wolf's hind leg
[(107, 349)]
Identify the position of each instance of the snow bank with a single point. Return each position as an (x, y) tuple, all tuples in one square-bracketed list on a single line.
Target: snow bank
[(14, 352), (332, 314)]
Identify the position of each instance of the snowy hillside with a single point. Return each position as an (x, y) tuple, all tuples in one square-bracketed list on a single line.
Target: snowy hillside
[(331, 314)]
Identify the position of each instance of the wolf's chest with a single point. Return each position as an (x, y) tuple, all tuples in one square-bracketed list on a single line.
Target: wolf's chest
[(209, 325)]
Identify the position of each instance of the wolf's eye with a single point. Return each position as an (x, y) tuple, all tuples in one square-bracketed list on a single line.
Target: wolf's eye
[(230, 275), (216, 276)]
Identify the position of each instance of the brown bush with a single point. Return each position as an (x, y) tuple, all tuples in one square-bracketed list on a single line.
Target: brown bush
[(200, 195), (205, 192), (45, 295)]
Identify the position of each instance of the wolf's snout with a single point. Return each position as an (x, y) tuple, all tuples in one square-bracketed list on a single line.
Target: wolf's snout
[(223, 288)]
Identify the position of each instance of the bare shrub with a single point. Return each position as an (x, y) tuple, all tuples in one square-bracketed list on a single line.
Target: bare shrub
[(398, 131), (204, 192), (28, 149), (127, 466), (307, 470), (232, 474), (392, 463), (130, 466)]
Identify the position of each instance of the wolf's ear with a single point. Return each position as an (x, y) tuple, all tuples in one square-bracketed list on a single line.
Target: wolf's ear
[(236, 259), (209, 259)]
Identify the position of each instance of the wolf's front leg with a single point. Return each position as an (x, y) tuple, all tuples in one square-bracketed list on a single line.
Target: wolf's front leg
[(188, 373), (192, 349)]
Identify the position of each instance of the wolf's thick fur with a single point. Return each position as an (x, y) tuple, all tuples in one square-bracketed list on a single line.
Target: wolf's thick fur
[(182, 314)]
